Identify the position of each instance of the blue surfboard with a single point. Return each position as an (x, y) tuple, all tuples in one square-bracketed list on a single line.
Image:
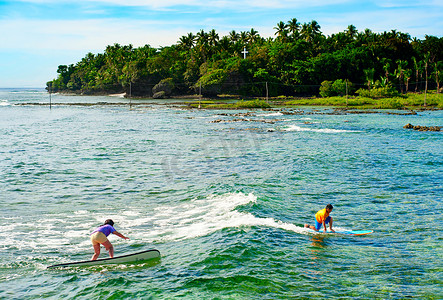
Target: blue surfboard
[(347, 232)]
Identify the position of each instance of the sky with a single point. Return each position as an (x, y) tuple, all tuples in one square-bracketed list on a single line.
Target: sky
[(36, 36)]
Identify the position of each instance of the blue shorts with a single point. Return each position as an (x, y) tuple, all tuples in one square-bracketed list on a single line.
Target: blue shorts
[(318, 225)]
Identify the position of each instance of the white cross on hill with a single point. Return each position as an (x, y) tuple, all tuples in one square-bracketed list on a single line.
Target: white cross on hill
[(244, 52)]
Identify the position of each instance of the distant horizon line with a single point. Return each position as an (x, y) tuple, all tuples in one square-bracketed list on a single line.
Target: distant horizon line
[(21, 88)]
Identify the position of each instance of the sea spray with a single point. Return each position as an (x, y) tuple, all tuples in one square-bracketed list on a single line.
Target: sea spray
[(200, 217), (319, 130)]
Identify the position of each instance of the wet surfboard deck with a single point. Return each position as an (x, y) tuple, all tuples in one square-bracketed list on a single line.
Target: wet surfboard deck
[(346, 232), (129, 258)]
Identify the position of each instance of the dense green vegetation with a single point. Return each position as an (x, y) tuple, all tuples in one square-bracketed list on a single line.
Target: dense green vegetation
[(298, 61), (404, 101)]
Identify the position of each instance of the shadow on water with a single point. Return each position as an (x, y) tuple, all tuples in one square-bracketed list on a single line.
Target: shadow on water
[(316, 250), (318, 246)]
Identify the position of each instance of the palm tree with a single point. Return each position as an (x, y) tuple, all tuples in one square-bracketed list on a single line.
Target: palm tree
[(426, 62), (282, 31), (369, 73), (416, 66), (401, 65), (213, 38), (253, 36), (315, 27), (310, 30), (386, 66), (234, 36), (224, 44), (243, 37), (187, 41), (202, 37), (407, 76), (351, 31), (202, 43), (305, 31), (294, 27), (438, 66)]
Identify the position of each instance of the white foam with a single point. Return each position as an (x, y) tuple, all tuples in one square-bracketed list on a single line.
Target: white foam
[(122, 95), (182, 220), (274, 114), (201, 217), (321, 130)]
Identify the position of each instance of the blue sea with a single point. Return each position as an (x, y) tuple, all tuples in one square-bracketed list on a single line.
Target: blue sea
[(222, 194)]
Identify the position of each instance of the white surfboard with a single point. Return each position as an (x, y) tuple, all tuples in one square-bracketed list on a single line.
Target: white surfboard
[(129, 258)]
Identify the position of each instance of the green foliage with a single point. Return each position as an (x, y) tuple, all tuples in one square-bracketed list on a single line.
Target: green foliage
[(390, 103), (337, 88), (252, 104), (411, 100), (212, 81), (326, 89), (213, 77), (293, 63), (381, 92), (342, 87), (433, 99)]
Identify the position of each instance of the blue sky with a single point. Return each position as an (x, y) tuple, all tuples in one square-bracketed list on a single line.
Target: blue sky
[(38, 35)]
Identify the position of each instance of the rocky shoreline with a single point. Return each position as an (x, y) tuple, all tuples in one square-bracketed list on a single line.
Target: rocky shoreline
[(422, 128), (244, 117)]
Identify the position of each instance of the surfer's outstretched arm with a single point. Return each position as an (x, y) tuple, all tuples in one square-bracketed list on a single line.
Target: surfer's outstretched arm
[(330, 226), (120, 235)]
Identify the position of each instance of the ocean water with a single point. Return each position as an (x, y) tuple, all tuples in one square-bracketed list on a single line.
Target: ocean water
[(224, 202)]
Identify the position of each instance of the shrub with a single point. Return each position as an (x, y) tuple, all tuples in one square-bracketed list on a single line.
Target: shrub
[(165, 85), (382, 92), (252, 104), (391, 103), (326, 89), (336, 88), (341, 88)]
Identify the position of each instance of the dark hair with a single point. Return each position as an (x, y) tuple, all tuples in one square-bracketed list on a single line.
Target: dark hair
[(329, 206), (109, 222)]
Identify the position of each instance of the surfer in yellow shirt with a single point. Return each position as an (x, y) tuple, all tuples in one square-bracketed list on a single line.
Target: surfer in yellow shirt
[(322, 218)]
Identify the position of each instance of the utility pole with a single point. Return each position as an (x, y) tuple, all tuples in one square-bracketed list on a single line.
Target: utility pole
[(50, 98), (267, 93), (130, 94), (200, 96), (426, 82)]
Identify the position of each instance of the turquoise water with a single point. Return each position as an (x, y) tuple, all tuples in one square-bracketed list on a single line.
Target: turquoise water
[(225, 203)]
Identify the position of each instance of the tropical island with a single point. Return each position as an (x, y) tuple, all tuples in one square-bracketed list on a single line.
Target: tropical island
[(299, 66)]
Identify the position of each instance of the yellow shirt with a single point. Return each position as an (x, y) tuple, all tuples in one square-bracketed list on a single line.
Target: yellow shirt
[(321, 215)]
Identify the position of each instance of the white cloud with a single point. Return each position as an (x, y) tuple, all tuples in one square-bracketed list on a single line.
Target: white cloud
[(239, 5), (407, 3), (92, 34), (386, 20)]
